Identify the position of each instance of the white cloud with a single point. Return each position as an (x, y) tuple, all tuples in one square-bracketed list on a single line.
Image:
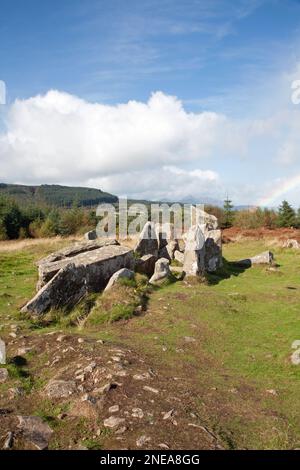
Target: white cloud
[(168, 183), (59, 137), (153, 150)]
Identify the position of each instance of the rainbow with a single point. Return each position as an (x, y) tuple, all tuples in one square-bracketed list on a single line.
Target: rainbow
[(281, 188)]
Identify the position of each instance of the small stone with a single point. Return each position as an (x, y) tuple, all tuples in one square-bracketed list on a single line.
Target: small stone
[(162, 445), (168, 414), (137, 413), (116, 358), (12, 335), (272, 392), (35, 431), (89, 398), (106, 388), (60, 388), (24, 350), (113, 422), (121, 430), (141, 441), (61, 338), (114, 409), (80, 377), (16, 392), (295, 357), (144, 376), (8, 443), (189, 339), (88, 369), (80, 340), (121, 373), (150, 389), (123, 273), (3, 375), (296, 344)]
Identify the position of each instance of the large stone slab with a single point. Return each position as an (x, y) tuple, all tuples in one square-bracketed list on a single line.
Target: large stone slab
[(84, 273), (75, 253)]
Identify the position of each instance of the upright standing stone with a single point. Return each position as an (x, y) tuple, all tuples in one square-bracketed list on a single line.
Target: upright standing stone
[(194, 255), (2, 352), (213, 250), (148, 243)]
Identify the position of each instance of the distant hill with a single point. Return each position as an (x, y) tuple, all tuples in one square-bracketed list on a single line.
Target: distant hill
[(56, 195)]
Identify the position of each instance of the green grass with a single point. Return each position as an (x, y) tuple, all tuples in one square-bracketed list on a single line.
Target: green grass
[(244, 322)]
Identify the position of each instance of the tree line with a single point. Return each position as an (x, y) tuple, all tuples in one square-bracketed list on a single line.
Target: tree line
[(32, 221)]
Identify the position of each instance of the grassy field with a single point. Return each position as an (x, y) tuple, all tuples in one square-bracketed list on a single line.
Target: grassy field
[(229, 340)]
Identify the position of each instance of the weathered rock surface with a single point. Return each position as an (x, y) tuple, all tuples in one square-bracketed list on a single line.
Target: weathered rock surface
[(123, 273), (203, 248), (161, 272), (35, 431), (194, 254), (263, 258), (213, 250), (75, 253), (148, 243), (86, 272), (146, 265), (60, 388), (208, 220)]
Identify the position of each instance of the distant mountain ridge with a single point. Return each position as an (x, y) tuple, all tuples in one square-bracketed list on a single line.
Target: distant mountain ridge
[(56, 195), (65, 196)]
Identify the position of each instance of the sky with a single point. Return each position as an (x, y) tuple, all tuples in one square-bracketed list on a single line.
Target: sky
[(157, 99)]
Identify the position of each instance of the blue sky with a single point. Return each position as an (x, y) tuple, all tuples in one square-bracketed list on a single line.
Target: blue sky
[(235, 59)]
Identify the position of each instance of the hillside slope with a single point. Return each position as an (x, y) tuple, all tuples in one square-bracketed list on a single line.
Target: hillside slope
[(60, 196)]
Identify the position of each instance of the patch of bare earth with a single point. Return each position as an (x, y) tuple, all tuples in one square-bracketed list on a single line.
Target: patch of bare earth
[(96, 395), (280, 234)]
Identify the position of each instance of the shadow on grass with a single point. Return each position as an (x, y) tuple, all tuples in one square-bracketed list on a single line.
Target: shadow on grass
[(229, 269)]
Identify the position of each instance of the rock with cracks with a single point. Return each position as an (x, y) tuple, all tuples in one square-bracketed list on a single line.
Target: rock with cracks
[(75, 253), (81, 274)]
